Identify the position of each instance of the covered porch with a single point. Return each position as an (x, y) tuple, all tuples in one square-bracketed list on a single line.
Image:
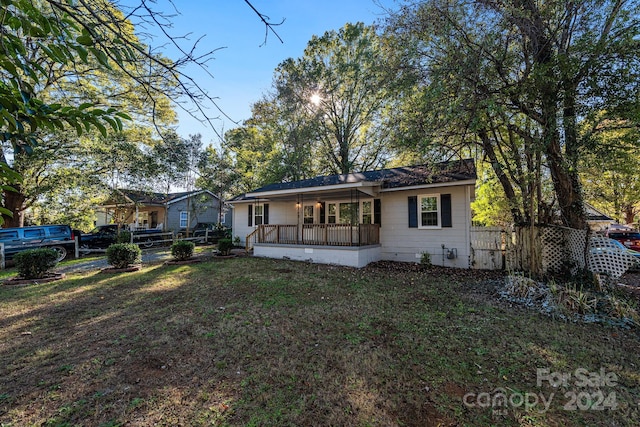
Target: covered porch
[(315, 235)]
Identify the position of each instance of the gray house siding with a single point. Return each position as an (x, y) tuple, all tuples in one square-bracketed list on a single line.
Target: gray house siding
[(201, 208)]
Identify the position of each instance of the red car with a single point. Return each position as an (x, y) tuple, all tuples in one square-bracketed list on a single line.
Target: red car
[(629, 238)]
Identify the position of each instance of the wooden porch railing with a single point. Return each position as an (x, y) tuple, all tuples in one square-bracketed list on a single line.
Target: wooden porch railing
[(316, 234)]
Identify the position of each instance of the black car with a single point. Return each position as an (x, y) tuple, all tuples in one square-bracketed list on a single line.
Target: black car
[(213, 231), (105, 235)]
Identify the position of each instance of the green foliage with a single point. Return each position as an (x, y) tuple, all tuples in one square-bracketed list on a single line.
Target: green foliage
[(522, 85), (425, 259), (122, 255), (328, 113), (182, 250), (35, 263), (236, 241), (225, 246), (123, 236)]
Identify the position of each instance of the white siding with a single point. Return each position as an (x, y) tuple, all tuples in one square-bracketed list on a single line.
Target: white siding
[(398, 242), (401, 243), (279, 213)]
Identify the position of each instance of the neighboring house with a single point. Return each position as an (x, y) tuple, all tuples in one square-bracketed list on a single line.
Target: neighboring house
[(392, 214), (168, 212), (597, 220)]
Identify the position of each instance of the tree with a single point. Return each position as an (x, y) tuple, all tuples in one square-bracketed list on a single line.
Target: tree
[(518, 80), (49, 46), (326, 114), (610, 174)]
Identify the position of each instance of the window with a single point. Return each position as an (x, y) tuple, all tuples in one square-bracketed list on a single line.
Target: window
[(258, 215), (184, 219), (331, 213), (367, 212), (349, 213), (6, 235), (35, 233), (308, 214), (429, 210), (363, 212)]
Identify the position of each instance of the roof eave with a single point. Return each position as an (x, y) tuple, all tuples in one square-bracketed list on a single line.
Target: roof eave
[(470, 181), (315, 189)]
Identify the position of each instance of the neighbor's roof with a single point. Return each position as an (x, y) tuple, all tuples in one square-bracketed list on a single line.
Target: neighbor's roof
[(148, 198), (405, 176)]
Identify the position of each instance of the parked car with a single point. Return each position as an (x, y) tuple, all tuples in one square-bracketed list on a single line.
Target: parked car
[(628, 237), (57, 237), (213, 231), (105, 235)]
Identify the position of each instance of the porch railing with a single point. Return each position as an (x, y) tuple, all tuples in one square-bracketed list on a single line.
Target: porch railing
[(317, 234)]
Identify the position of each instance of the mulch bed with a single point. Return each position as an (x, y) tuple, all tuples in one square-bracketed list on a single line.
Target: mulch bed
[(49, 277), (183, 262), (109, 270)]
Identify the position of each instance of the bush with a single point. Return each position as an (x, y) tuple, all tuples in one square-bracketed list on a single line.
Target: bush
[(182, 250), (123, 255), (425, 259), (225, 246), (123, 237), (35, 263)]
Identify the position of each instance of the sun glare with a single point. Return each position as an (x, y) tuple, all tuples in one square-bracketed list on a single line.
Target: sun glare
[(315, 99)]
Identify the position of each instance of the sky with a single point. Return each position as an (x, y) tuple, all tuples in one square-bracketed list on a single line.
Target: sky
[(242, 67)]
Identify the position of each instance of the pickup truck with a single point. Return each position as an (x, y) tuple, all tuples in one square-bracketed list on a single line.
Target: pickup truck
[(104, 235)]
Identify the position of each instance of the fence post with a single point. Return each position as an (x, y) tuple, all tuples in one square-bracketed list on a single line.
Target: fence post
[(206, 236), (77, 246), (2, 264)]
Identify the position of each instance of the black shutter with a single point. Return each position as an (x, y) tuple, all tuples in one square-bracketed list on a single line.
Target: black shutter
[(377, 212), (445, 210), (265, 210), (250, 216), (322, 213), (413, 211)]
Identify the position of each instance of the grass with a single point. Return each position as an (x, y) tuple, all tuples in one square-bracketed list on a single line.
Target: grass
[(256, 342)]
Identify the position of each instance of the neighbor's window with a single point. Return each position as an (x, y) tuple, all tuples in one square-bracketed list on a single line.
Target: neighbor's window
[(258, 215), (429, 210), (308, 214), (184, 219)]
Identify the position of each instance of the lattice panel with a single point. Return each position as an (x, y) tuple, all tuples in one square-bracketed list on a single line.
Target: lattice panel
[(562, 247), (605, 257)]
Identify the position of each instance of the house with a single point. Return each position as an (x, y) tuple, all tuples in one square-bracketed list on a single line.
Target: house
[(167, 212), (393, 214), (597, 220)]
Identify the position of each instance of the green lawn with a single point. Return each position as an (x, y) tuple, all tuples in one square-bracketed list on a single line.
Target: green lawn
[(250, 341)]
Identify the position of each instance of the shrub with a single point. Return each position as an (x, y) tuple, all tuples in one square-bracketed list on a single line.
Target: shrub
[(123, 255), (425, 259), (236, 241), (35, 263), (182, 250), (225, 246), (123, 237)]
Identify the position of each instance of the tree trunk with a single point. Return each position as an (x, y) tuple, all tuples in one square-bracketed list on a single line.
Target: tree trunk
[(14, 201)]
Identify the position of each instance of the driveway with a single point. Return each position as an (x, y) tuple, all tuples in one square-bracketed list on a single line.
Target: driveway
[(148, 257)]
